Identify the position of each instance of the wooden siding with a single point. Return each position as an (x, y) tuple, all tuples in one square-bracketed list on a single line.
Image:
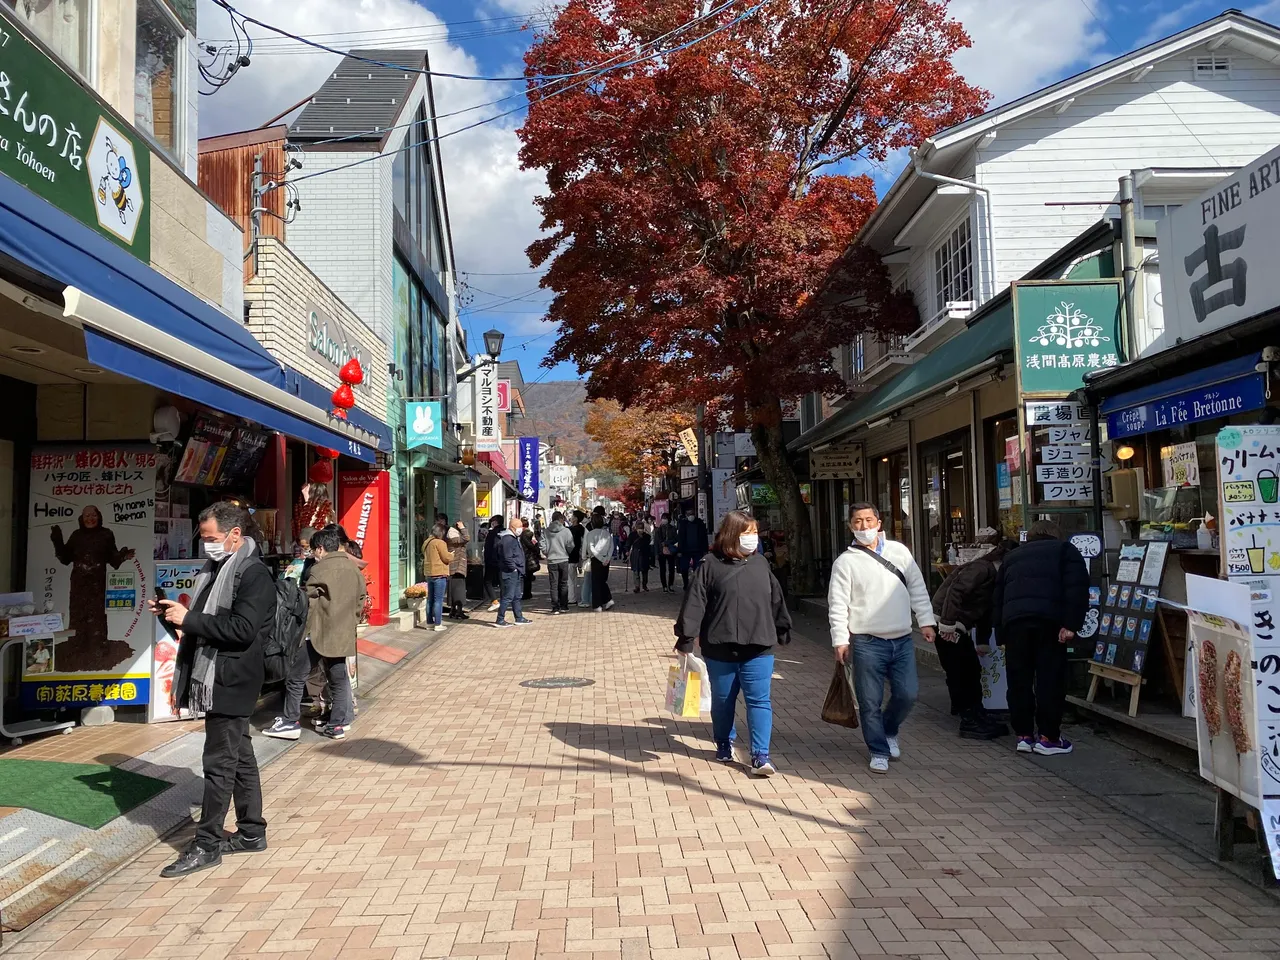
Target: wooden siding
[(226, 175)]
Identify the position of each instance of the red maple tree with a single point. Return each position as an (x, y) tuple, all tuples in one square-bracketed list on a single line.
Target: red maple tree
[(698, 201)]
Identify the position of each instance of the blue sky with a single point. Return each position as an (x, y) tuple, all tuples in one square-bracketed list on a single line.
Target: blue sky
[(1019, 46)]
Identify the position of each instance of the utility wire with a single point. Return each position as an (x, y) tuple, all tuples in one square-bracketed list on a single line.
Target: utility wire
[(443, 23)]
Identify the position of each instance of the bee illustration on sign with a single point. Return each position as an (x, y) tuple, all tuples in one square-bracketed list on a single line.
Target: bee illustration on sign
[(112, 173)]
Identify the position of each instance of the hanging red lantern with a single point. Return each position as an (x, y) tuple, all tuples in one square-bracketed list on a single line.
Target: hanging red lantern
[(321, 472), (352, 372), (339, 413), (343, 397), (327, 453)]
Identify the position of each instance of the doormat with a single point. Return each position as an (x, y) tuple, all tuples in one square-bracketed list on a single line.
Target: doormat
[(379, 651), (90, 794)]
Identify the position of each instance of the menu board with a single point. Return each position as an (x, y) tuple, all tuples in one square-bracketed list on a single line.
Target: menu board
[(205, 452), (240, 465), (1127, 619)]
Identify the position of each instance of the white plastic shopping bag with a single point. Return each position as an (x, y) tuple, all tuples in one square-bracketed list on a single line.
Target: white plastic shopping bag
[(698, 665), (995, 679), (684, 687)]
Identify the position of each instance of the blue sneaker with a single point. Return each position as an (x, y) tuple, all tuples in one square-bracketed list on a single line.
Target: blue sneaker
[(761, 767), (523, 622), (501, 623), (724, 751), (333, 731), (283, 729), (1053, 748)]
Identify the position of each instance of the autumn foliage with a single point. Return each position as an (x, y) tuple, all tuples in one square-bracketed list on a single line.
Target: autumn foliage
[(697, 202), (633, 441)]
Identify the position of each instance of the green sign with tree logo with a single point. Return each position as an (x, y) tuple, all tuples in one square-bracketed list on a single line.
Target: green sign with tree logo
[(60, 142), (1063, 331)]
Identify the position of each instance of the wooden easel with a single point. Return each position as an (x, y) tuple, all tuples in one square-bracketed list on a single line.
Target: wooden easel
[(1102, 671)]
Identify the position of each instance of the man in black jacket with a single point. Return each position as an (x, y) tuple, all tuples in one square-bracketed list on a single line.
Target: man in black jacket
[(1041, 598), (220, 670), (575, 555), (691, 543), (492, 568), (512, 560)]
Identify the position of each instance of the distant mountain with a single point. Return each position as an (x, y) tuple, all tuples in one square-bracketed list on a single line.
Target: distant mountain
[(558, 409)]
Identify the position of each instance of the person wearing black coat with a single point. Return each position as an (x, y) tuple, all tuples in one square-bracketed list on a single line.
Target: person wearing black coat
[(532, 560), (963, 604), (492, 568), (221, 663), (691, 544), (1041, 598), (734, 608)]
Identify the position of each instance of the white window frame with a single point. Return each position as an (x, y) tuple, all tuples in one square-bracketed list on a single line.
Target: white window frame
[(941, 297), (1211, 62), (181, 77), (859, 354), (90, 73)]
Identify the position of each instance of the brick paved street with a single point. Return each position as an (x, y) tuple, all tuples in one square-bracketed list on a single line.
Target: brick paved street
[(470, 817)]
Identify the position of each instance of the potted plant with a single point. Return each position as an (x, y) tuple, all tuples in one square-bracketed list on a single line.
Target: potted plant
[(415, 599)]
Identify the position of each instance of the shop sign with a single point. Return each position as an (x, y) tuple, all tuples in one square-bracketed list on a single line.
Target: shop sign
[(560, 476), (1064, 453), (1180, 463), (1004, 487), (1063, 331), (844, 462), (527, 480), (1250, 490), (484, 405), (1191, 406), (422, 424), (1041, 413), (1206, 248), (60, 143), (484, 503), (689, 439), (688, 472), (364, 511), (177, 579), (1080, 433), (335, 352), (724, 497), (1067, 491), (90, 555), (504, 395), (1064, 473), (724, 450), (743, 445)]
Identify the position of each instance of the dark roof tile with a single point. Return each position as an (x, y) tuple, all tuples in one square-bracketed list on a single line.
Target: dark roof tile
[(360, 98)]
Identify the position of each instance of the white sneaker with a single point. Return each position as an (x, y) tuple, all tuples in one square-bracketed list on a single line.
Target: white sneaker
[(439, 628), (493, 607), (599, 610), (895, 751), (879, 764), (609, 605)]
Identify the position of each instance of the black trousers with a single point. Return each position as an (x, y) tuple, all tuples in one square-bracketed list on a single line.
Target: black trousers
[(230, 770), (558, 577), (528, 586), (600, 592), (492, 584), (964, 673), (1037, 667), (667, 569)]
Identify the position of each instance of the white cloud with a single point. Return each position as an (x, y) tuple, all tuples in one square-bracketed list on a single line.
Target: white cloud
[(490, 198), (1020, 47), (1173, 20)]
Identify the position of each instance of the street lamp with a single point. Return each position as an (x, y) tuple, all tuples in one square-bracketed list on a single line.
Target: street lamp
[(493, 342)]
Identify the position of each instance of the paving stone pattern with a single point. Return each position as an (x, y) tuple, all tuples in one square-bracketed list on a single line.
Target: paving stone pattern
[(467, 816)]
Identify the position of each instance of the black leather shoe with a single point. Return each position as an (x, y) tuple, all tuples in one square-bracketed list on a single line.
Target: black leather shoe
[(239, 843), (192, 860)]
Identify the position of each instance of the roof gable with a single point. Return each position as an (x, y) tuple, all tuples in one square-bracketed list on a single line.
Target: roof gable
[(361, 101)]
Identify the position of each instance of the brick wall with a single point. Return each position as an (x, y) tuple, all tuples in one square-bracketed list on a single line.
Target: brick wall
[(280, 299)]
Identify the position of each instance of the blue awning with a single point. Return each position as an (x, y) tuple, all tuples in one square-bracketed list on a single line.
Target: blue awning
[(1213, 392), (314, 393)]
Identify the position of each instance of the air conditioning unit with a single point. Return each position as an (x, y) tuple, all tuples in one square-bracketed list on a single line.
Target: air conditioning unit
[(1122, 491)]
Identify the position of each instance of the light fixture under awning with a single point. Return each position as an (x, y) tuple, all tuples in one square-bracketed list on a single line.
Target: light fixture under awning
[(128, 346)]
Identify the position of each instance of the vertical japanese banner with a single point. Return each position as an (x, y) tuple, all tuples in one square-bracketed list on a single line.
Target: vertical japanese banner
[(527, 478), (90, 551), (1249, 489), (484, 407), (364, 510)]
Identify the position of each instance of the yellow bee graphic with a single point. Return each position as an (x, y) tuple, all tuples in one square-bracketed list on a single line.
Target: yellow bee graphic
[(116, 181)]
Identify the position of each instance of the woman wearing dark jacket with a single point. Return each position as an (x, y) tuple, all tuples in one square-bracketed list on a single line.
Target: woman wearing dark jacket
[(1041, 598), (963, 604), (734, 607), (639, 553)]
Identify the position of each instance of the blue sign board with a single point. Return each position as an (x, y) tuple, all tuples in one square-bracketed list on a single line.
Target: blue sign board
[(1223, 399), (527, 477), (422, 425)]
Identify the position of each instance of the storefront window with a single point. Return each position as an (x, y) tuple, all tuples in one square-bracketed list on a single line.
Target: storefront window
[(158, 102), (64, 25), (893, 496), (1004, 478), (945, 498)]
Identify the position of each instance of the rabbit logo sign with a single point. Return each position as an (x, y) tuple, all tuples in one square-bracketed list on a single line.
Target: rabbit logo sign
[(422, 424)]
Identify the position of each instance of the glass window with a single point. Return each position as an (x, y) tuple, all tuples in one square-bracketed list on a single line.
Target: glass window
[(158, 102), (944, 500), (401, 284), (1004, 482), (64, 25), (399, 183), (893, 496), (417, 364), (953, 267), (428, 346), (441, 327)]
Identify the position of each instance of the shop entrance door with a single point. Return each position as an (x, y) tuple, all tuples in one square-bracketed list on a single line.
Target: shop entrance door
[(946, 499)]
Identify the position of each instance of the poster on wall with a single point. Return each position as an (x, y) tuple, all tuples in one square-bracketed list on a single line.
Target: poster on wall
[(364, 511), (177, 579), (1250, 491), (724, 495), (91, 539), (202, 459)]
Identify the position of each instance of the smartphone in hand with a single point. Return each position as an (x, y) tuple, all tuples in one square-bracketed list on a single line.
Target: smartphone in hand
[(169, 628)]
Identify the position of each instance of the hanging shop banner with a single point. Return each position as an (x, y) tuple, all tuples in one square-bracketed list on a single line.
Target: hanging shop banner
[(484, 499), (422, 424), (843, 462), (724, 495), (504, 395), (484, 407), (689, 439), (1215, 253), (364, 511), (177, 578), (89, 555), (1063, 331), (527, 482), (205, 451), (743, 445), (60, 143), (1213, 402)]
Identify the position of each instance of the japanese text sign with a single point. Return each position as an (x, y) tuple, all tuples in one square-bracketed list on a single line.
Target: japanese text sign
[(1250, 489), (527, 482), (484, 406), (1064, 331), (843, 462)]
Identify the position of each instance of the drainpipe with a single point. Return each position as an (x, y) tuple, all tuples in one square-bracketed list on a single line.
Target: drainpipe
[(975, 187), (1129, 259)]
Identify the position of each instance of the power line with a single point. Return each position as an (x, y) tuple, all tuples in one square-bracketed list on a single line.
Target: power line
[(442, 23), (442, 38)]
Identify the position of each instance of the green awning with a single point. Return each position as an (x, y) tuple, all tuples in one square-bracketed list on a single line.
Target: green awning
[(990, 337)]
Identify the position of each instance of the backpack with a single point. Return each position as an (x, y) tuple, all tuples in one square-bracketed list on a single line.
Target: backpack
[(289, 629)]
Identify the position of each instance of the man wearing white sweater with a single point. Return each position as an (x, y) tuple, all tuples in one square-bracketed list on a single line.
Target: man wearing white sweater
[(875, 588)]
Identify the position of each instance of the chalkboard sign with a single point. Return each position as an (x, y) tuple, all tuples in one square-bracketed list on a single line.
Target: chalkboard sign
[(243, 457)]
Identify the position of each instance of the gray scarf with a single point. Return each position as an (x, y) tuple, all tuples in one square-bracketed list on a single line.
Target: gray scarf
[(205, 662)]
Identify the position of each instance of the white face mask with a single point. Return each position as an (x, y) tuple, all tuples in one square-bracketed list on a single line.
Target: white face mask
[(749, 542), (866, 537), (215, 551)]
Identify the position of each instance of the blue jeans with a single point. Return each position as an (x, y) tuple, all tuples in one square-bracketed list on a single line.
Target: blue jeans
[(753, 678), (437, 587), (512, 591), (876, 660)]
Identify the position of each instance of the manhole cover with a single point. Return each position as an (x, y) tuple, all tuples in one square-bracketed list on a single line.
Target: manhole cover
[(551, 683)]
